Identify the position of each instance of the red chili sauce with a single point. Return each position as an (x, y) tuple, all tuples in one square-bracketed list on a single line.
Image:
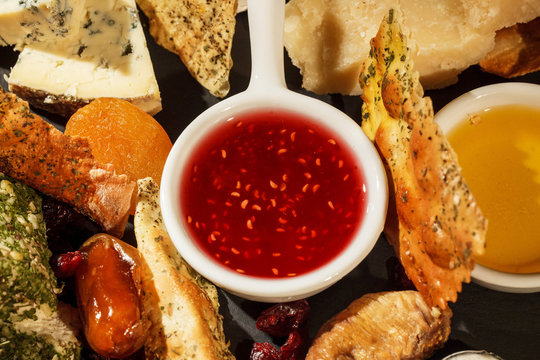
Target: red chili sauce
[(270, 194)]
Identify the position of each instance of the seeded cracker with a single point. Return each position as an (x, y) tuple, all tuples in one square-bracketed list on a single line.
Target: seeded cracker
[(200, 32), (434, 223)]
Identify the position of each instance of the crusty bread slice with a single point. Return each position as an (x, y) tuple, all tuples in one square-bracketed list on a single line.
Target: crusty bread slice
[(200, 32), (182, 306), (36, 153), (329, 39)]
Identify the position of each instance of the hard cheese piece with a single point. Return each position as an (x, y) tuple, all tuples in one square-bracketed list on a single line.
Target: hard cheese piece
[(30, 325), (32, 21), (108, 58), (329, 40)]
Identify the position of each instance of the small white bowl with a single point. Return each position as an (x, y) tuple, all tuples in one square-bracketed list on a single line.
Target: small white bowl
[(267, 90), (472, 355), (459, 110), (283, 289)]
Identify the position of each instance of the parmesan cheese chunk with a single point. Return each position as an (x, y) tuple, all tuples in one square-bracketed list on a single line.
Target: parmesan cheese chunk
[(329, 39)]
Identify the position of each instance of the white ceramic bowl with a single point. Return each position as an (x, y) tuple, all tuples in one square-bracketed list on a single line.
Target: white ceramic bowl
[(270, 290), (267, 90), (472, 355), (459, 110)]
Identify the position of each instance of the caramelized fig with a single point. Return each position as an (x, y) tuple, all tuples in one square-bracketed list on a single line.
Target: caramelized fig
[(109, 296)]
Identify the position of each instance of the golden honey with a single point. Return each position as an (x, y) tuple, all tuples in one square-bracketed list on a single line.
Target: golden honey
[(499, 152)]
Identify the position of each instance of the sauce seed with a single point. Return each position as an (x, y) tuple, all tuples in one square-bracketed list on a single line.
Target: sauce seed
[(298, 229)]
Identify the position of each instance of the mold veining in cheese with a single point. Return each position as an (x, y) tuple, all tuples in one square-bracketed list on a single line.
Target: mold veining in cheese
[(25, 22), (107, 58)]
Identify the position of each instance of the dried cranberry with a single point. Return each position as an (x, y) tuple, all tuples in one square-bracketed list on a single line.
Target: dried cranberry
[(397, 275), (65, 265), (264, 351), (280, 319), (295, 346), (66, 228)]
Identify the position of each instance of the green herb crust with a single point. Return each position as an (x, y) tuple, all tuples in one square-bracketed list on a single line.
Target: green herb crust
[(29, 321)]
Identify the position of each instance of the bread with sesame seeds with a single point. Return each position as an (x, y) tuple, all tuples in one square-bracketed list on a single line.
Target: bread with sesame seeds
[(200, 32)]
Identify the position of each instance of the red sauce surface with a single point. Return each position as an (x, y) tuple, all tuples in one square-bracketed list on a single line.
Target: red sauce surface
[(268, 194)]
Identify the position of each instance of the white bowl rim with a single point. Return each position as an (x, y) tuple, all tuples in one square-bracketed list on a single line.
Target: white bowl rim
[(282, 289), (458, 110)]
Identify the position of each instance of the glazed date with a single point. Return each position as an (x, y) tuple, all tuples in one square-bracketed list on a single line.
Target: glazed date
[(109, 296)]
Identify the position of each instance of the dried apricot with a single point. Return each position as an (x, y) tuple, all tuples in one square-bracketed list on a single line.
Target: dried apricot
[(123, 135)]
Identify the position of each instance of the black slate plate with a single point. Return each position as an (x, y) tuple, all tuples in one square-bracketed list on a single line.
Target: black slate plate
[(502, 323)]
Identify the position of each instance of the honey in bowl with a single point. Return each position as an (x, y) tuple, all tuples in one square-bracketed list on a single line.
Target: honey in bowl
[(268, 194), (499, 152)]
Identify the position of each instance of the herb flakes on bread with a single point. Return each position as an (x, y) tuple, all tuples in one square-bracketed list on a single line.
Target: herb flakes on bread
[(200, 32), (433, 222), (37, 154), (182, 306)]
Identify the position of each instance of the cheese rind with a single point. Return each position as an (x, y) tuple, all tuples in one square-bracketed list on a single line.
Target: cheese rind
[(24, 22), (108, 58)]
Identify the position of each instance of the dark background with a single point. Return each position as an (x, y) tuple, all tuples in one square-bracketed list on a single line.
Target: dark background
[(503, 323)]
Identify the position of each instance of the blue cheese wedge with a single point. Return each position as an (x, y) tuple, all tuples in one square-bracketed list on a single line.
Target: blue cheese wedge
[(107, 58), (25, 22), (31, 326)]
